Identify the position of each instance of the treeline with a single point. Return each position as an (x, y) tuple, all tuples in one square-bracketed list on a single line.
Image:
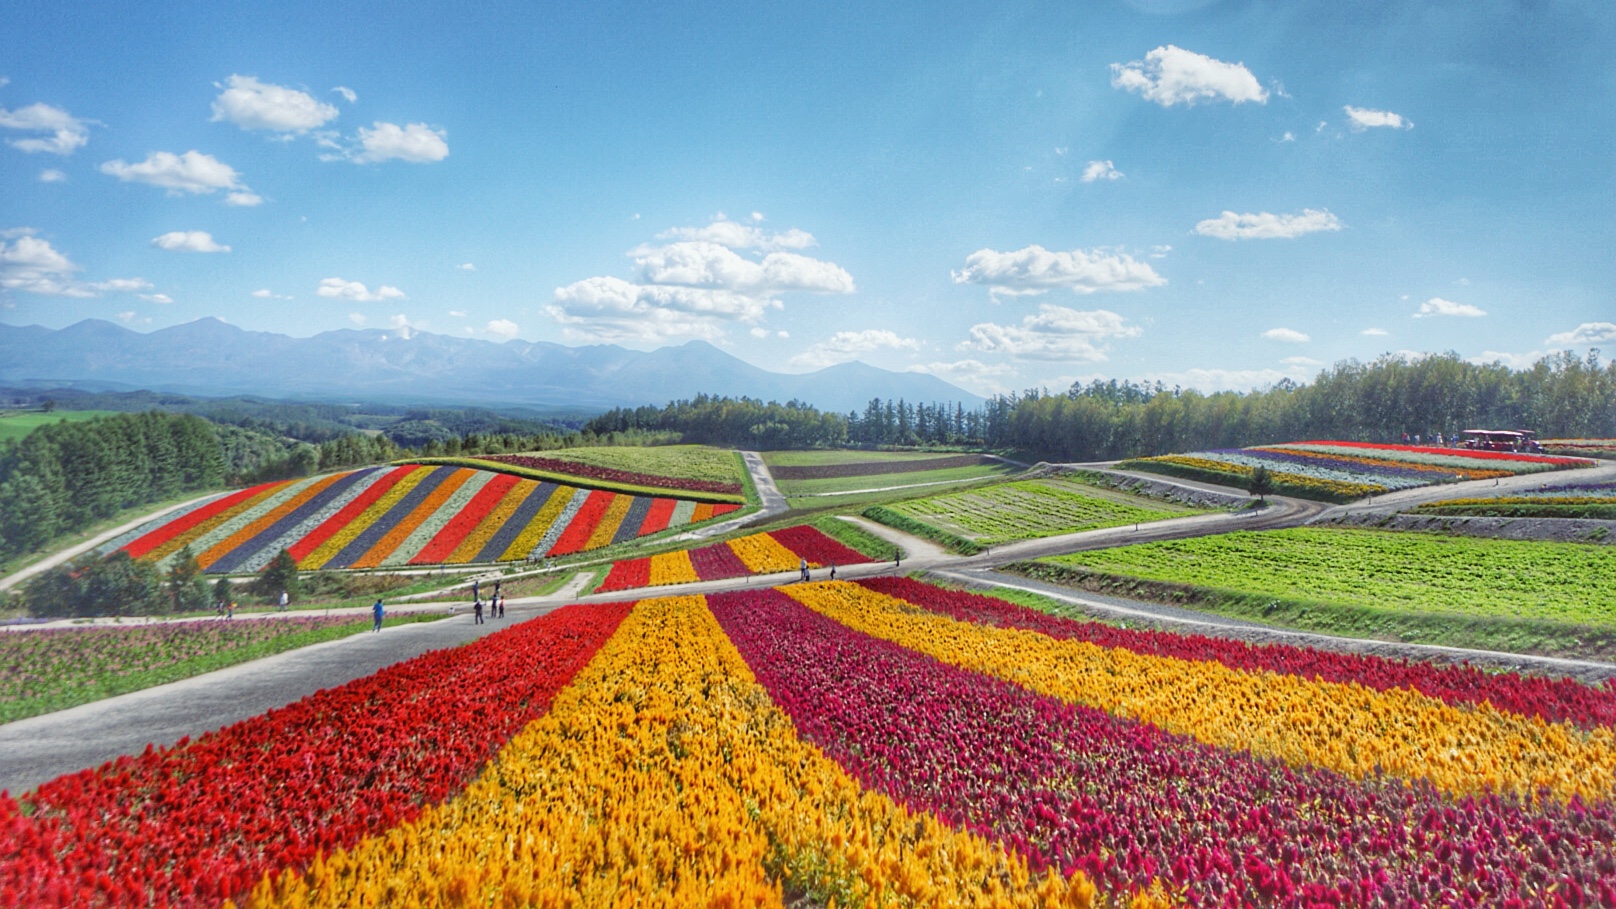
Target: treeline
[(65, 476), (1560, 396)]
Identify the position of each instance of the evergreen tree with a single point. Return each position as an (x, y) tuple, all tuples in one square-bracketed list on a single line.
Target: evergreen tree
[(280, 574), (1261, 483), (187, 590)]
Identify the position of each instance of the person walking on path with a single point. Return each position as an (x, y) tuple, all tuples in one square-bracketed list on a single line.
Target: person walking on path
[(803, 567), (502, 605), (477, 612), (376, 613), (476, 591), (833, 571), (284, 600)]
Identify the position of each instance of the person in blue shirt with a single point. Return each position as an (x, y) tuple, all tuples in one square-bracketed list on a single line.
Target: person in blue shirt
[(377, 611)]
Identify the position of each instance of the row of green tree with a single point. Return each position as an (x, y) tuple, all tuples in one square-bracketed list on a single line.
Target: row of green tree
[(1561, 396), (119, 585), (65, 476)]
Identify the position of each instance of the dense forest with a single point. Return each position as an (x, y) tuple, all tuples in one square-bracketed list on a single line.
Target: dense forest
[(1561, 396)]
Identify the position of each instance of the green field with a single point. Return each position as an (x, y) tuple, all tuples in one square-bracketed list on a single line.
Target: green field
[(823, 457), (1029, 509), (687, 462), (16, 424), (881, 487), (1414, 573)]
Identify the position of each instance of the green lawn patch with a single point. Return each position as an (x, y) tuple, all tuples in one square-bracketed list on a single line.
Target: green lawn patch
[(16, 424), (834, 487), (1031, 509), (688, 462)]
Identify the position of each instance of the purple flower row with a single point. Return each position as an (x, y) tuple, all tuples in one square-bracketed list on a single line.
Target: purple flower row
[(1074, 788)]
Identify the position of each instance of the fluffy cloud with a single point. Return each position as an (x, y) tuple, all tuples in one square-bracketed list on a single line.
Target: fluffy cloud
[(31, 264), (973, 375), (501, 328), (1436, 306), (353, 290), (52, 175), (64, 132), (1374, 332), (691, 287), (416, 143), (1211, 380), (466, 266), (192, 172), (1362, 118), (1266, 226), (1053, 333), (1171, 75), (157, 298), (251, 104), (1101, 170), (1512, 360), (348, 94), (735, 235), (265, 293), (199, 241), (847, 345), (1287, 335), (1586, 333), (1035, 270), (404, 327)]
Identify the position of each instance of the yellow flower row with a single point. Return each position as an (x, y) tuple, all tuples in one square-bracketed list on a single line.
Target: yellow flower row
[(423, 510), (1342, 487), (664, 776), (1344, 727), (490, 525), (328, 550), (609, 522), (222, 548), (764, 554), (672, 568), (536, 528)]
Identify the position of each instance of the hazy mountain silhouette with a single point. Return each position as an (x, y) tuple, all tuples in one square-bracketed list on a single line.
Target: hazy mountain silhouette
[(210, 357)]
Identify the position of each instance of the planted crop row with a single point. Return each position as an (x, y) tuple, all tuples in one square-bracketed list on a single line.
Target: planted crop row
[(664, 776), (580, 468), (1411, 572), (758, 553), (1238, 476), (1129, 805), (1027, 509), (411, 514), (203, 821), (1552, 700)]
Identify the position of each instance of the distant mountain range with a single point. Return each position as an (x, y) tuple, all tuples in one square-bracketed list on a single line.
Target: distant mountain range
[(210, 357)]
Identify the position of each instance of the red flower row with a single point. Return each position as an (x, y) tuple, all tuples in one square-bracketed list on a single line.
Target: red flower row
[(1555, 700), (1459, 452), (203, 821), (613, 475)]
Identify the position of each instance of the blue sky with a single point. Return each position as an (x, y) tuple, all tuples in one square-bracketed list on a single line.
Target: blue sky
[(1008, 195)]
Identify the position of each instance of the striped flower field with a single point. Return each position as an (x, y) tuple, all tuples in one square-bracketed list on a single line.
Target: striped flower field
[(883, 743), (757, 553), (382, 517)]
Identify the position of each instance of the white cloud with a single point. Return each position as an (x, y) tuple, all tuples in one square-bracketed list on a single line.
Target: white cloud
[(972, 375), (1512, 360), (1035, 270), (1301, 361), (1211, 380), (1288, 137), (251, 104), (847, 345), (1436, 306), (416, 143), (1053, 333), (692, 287), (741, 236), (1362, 118), (466, 266), (457, 314), (198, 241), (1101, 170), (192, 172), (127, 315), (1171, 75), (157, 298), (1586, 333), (244, 199), (1287, 335), (52, 175), (265, 293), (404, 327), (32, 265), (1374, 332), (1160, 252), (348, 94), (501, 328), (66, 133), (1266, 226), (358, 318), (355, 291)]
